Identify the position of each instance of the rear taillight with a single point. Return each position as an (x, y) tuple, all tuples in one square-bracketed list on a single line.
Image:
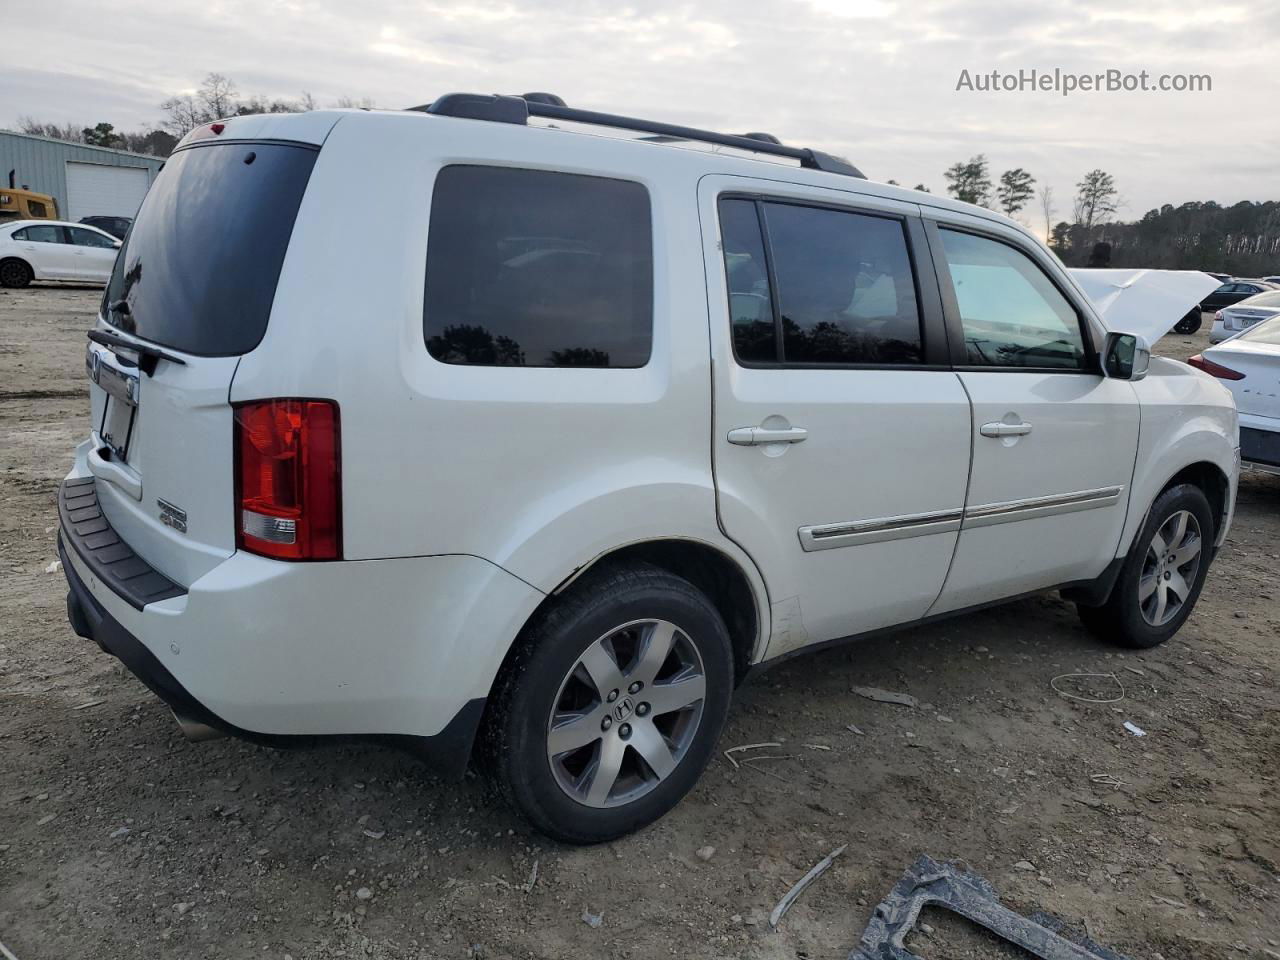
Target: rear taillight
[(1215, 369), (288, 479)]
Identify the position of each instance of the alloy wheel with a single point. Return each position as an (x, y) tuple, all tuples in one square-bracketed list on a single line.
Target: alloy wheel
[(1170, 568), (626, 713), (12, 274)]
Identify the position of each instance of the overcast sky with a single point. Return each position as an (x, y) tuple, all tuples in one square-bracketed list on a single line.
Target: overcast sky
[(872, 80)]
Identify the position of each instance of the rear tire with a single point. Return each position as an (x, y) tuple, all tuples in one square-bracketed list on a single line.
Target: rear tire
[(1163, 574), (15, 273), (1190, 323), (593, 732)]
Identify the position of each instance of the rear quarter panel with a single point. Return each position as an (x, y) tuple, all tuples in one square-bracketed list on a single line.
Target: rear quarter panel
[(536, 470)]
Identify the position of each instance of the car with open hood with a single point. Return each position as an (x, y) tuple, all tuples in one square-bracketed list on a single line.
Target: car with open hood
[(577, 421)]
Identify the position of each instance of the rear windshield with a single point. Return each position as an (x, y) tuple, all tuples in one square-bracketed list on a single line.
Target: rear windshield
[(1269, 299), (1266, 332), (199, 269)]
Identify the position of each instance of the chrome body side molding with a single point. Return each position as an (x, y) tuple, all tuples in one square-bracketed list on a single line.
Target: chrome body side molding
[(877, 530), (829, 535), (1010, 510)]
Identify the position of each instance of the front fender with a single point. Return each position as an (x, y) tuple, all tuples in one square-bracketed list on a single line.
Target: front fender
[(1187, 418)]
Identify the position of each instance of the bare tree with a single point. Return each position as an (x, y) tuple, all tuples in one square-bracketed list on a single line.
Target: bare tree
[(218, 94), (215, 99), (351, 103), (1047, 208), (40, 128), (182, 114)]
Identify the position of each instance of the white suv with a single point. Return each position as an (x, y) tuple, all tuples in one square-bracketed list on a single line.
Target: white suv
[(504, 426)]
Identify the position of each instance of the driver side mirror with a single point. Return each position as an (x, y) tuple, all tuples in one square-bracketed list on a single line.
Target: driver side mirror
[(1126, 357)]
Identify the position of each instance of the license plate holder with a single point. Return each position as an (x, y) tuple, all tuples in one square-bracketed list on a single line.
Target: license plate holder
[(121, 409)]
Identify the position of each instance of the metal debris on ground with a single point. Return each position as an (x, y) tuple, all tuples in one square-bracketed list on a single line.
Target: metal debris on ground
[(592, 920), (929, 883), (886, 696), (1133, 728), (853, 728), (789, 898), (728, 754), (1107, 780)]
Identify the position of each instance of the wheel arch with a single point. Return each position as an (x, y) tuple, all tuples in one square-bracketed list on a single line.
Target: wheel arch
[(1210, 478), (737, 595), (12, 258), (1213, 482), (723, 580)]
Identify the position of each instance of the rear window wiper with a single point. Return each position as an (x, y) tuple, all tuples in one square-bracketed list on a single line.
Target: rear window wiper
[(148, 355)]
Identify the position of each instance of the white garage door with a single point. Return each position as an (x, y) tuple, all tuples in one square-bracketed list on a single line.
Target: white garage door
[(96, 190)]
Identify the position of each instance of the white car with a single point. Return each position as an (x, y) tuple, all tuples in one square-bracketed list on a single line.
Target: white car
[(1249, 366), (1229, 321), (54, 250), (559, 435)]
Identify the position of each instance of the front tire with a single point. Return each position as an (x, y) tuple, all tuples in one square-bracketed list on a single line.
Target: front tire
[(15, 273), (611, 707), (1163, 574)]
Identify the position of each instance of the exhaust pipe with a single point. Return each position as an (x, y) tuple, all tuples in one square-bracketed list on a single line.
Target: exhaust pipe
[(195, 731)]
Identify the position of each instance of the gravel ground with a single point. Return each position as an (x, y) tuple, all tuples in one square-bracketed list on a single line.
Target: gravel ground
[(119, 839)]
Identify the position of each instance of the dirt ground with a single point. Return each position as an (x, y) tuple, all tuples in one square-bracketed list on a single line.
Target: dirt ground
[(119, 839)]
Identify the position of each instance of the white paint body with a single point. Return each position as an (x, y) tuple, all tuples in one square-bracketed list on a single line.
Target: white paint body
[(1257, 395), (471, 493), (1239, 317), (77, 260)]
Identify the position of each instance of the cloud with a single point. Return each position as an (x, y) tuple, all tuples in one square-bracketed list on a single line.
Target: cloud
[(873, 80)]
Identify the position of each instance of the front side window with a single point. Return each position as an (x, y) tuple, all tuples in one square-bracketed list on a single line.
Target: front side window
[(538, 269), (1012, 314), (40, 235), (845, 289), (89, 238), (36, 208)]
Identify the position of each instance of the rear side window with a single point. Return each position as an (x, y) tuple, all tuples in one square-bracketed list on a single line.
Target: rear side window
[(835, 287), (40, 235), (200, 267), (538, 269)]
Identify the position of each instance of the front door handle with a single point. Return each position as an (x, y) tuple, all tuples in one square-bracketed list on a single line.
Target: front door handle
[(755, 436), (999, 429)]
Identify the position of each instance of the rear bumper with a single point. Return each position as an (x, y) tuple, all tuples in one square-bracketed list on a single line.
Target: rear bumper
[(398, 651), (447, 752), (1260, 448)]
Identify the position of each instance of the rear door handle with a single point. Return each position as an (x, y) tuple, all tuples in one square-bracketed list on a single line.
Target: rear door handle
[(755, 436), (999, 429)]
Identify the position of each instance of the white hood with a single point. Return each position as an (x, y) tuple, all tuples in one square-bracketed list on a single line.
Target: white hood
[(1145, 302)]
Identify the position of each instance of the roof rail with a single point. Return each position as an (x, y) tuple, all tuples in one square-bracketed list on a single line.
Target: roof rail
[(518, 110)]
